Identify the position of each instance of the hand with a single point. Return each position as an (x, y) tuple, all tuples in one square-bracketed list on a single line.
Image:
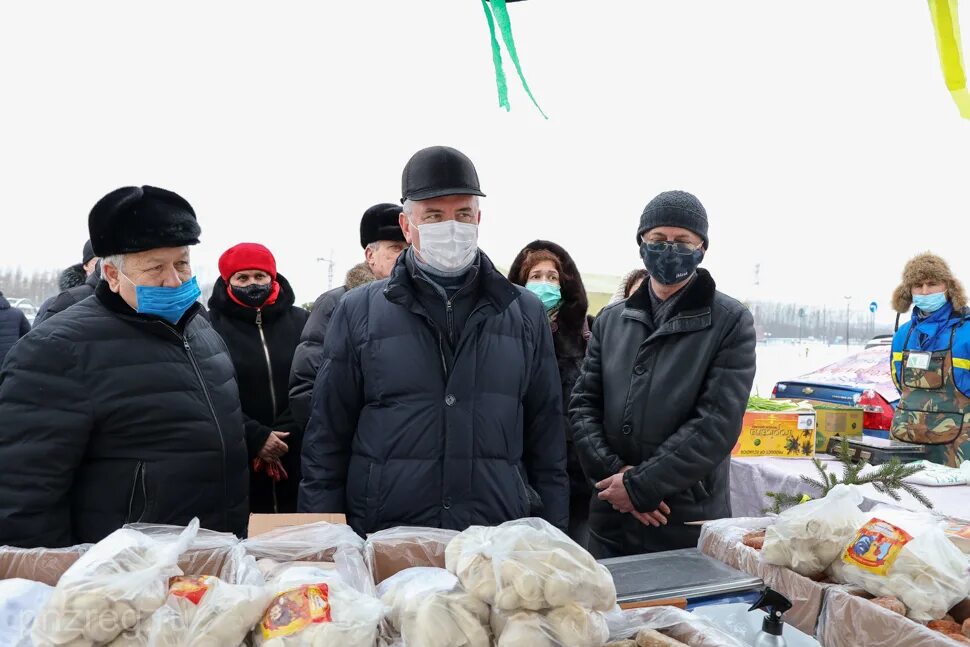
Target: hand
[(656, 518), (614, 491), (274, 447)]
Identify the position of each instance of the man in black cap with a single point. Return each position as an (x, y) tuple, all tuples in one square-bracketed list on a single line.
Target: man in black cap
[(383, 241), (658, 407), (438, 402), (124, 407), (76, 283)]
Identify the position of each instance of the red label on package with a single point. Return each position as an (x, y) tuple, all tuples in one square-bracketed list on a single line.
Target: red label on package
[(876, 547), (295, 610)]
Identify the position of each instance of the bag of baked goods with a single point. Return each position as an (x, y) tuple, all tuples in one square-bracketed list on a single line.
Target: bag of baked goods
[(567, 626)]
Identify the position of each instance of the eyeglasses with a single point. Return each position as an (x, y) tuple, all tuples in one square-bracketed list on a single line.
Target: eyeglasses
[(685, 249)]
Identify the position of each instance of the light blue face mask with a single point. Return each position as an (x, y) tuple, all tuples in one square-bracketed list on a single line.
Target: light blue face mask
[(929, 302), (548, 293), (167, 303)]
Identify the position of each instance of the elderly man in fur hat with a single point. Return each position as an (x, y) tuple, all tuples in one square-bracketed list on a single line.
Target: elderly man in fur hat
[(383, 241), (931, 360), (124, 407)]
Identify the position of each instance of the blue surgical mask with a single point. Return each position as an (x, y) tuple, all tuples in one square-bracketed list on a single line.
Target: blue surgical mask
[(167, 303), (548, 293), (929, 302)]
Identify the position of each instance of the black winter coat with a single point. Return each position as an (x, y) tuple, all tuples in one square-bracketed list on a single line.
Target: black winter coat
[(263, 382), (13, 326), (69, 296), (396, 438), (112, 417), (309, 354), (669, 402)]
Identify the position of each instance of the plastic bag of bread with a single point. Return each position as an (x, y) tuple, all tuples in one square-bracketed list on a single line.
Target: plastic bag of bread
[(808, 537), (392, 550), (313, 607), (528, 564), (312, 542), (569, 626), (906, 555), (428, 607), (20, 601), (116, 584)]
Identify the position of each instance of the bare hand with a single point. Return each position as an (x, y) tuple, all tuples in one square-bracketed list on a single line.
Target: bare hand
[(614, 491), (656, 518), (274, 447)]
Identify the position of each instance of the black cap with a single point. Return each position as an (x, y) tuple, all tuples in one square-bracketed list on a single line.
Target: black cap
[(381, 222), (87, 253), (674, 209), (133, 219), (439, 171)]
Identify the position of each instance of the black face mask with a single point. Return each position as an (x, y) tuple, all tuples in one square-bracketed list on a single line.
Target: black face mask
[(668, 267), (253, 295)]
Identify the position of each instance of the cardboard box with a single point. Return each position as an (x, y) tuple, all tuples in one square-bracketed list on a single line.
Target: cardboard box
[(780, 434), (38, 564), (260, 524), (391, 551), (836, 421)]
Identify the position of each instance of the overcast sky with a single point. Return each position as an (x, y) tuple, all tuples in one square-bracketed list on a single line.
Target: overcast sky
[(819, 134)]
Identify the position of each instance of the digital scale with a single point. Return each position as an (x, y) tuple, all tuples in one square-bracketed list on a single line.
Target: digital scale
[(877, 450)]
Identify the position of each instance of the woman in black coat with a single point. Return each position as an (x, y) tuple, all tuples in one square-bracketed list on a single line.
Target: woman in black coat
[(547, 270), (252, 308)]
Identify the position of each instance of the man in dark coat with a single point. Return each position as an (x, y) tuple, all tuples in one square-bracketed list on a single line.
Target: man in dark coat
[(251, 307), (438, 402), (659, 405), (13, 326), (125, 407), (76, 283), (382, 241)]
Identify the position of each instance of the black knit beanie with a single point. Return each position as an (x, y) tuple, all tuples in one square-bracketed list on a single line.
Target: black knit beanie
[(674, 209)]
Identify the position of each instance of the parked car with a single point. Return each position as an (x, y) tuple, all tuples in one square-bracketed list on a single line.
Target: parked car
[(26, 306), (862, 379), (880, 340)]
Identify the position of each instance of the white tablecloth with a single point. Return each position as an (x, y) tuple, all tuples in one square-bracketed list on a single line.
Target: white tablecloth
[(752, 478)]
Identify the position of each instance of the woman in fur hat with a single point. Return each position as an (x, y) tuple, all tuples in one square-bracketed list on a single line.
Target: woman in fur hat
[(548, 271), (931, 360)]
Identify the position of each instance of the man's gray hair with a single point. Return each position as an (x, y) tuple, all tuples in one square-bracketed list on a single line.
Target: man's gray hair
[(408, 206), (374, 246), (115, 260)]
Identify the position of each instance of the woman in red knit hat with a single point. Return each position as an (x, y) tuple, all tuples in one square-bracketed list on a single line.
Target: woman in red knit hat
[(252, 308)]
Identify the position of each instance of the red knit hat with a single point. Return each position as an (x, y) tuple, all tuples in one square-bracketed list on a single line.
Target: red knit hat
[(246, 256)]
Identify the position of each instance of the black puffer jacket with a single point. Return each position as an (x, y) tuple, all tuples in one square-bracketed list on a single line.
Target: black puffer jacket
[(309, 354), (668, 402), (112, 417), (569, 336), (69, 295), (262, 383), (13, 326), (398, 438)]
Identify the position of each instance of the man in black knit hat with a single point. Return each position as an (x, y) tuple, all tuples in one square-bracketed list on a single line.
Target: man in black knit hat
[(124, 408), (658, 407)]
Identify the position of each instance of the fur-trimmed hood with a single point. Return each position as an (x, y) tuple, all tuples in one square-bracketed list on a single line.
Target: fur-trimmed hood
[(927, 266), (72, 277), (359, 275), (575, 303)]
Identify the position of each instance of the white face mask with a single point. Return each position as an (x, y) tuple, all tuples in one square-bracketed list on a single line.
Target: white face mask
[(448, 246)]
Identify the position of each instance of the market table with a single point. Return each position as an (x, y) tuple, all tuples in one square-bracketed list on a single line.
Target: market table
[(753, 478)]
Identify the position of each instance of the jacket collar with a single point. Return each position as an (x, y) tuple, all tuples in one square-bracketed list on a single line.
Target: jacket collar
[(113, 302), (691, 312), (402, 290), (221, 303)]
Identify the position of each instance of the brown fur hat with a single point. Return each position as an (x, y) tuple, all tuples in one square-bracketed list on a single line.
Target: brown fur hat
[(924, 267)]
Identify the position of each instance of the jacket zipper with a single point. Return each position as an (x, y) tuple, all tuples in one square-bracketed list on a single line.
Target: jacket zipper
[(139, 477), (212, 410), (272, 390)]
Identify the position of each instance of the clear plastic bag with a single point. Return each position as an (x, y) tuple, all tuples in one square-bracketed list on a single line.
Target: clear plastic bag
[(207, 555), (808, 537), (44, 565), (428, 608), (312, 542), (313, 607), (567, 626), (20, 602), (395, 549), (528, 565), (676, 623), (906, 555), (116, 584)]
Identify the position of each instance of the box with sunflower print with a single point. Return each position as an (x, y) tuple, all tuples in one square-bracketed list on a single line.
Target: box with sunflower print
[(778, 434)]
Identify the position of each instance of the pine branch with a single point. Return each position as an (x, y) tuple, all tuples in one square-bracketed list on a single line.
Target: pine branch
[(782, 501), (818, 485), (917, 494)]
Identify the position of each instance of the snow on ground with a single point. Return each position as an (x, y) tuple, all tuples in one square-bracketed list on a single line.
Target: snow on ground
[(784, 359)]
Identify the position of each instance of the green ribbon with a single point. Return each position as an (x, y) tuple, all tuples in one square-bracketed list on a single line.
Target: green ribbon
[(501, 16)]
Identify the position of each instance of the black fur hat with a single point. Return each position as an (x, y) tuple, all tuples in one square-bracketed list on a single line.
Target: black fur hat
[(134, 219), (381, 222)]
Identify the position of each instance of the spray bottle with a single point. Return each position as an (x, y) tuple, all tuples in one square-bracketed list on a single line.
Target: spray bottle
[(775, 605)]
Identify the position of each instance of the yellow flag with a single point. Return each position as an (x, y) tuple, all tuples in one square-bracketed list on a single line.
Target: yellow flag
[(947, 26)]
